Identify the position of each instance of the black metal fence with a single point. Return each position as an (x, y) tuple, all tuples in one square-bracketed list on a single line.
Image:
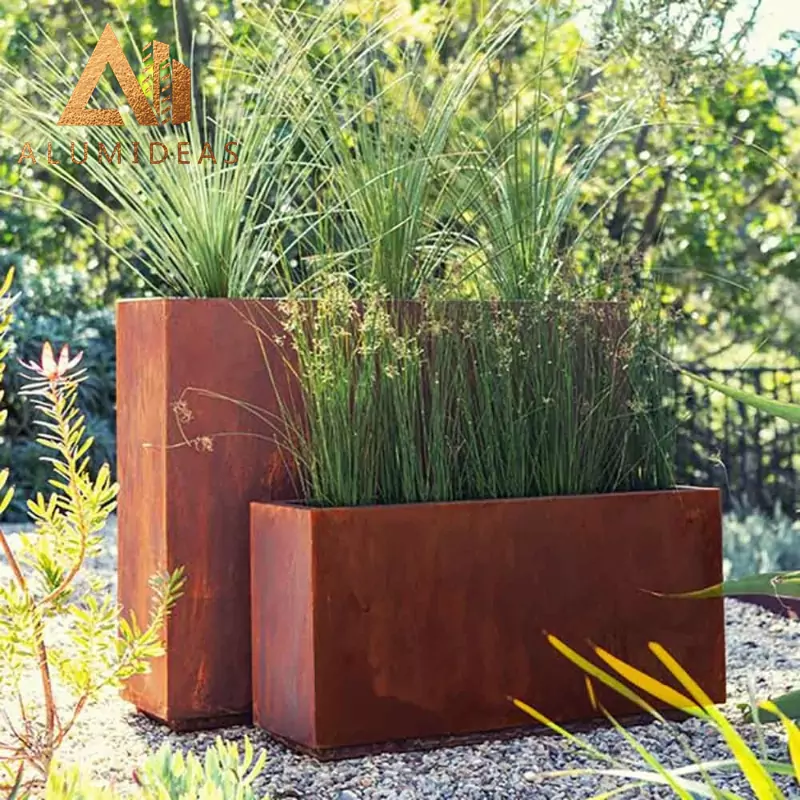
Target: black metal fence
[(753, 457)]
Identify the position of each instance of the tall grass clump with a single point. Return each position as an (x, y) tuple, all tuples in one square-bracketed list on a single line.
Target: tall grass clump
[(523, 195), (519, 192), (209, 229), (454, 400), (357, 151), (383, 134)]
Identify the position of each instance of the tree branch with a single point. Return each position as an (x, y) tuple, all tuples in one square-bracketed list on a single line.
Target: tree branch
[(616, 227), (651, 226)]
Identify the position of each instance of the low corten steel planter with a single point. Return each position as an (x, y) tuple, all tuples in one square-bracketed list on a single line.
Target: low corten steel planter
[(783, 606), (183, 504), (385, 623)]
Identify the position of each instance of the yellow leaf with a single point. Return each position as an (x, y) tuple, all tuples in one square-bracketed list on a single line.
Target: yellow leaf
[(758, 778), (4, 503), (7, 282), (601, 675), (590, 692), (680, 673), (792, 732), (556, 728), (647, 683), (648, 757)]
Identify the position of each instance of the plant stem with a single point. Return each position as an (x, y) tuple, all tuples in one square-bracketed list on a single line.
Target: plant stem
[(41, 650)]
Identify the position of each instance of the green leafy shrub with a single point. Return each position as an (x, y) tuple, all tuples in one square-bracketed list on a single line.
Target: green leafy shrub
[(92, 647), (57, 306), (90, 331), (223, 774), (754, 541), (69, 783)]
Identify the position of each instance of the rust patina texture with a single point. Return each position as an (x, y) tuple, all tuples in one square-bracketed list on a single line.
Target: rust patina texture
[(386, 623), (187, 505)]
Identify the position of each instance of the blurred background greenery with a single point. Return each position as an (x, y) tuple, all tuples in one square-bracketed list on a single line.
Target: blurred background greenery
[(705, 193)]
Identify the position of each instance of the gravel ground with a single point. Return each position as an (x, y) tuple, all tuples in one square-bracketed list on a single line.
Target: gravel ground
[(111, 739)]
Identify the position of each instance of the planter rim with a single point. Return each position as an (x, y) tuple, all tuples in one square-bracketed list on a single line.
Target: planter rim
[(300, 505), (132, 300), (450, 300)]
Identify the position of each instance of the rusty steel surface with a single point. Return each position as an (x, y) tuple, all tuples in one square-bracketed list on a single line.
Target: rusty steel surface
[(387, 623), (783, 606), (183, 504)]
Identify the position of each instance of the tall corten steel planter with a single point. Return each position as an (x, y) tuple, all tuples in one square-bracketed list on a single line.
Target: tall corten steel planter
[(183, 505), (385, 623)]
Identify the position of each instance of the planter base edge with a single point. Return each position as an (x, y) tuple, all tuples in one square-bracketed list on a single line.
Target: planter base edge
[(460, 740), (191, 725)]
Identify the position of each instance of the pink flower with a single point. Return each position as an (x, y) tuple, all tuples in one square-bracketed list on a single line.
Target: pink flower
[(50, 369)]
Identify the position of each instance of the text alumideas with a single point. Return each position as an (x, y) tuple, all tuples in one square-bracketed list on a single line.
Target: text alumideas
[(156, 153)]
